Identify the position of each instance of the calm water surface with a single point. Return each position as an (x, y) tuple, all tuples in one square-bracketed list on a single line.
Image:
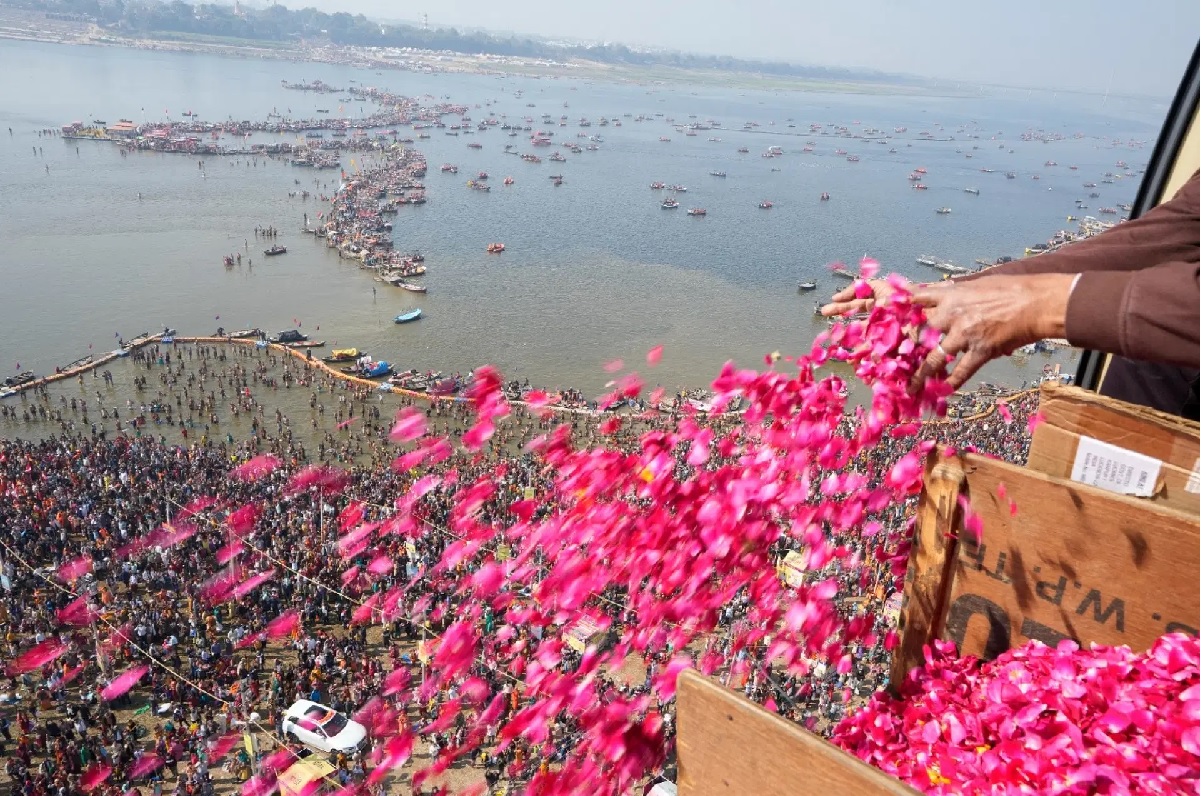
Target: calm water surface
[(593, 271)]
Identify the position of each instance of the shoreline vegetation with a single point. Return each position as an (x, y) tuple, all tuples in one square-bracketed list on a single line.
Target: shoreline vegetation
[(341, 39)]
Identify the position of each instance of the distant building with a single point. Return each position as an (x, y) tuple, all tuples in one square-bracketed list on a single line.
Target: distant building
[(123, 129)]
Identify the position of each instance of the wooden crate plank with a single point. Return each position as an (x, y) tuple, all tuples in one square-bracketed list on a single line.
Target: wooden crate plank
[(1073, 562), (1053, 453), (929, 572), (728, 746), (1171, 439)]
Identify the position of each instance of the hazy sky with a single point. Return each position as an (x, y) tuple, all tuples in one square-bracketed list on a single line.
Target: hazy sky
[(1070, 44)]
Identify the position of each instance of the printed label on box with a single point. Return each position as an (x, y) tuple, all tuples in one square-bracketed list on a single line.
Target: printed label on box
[(1114, 468)]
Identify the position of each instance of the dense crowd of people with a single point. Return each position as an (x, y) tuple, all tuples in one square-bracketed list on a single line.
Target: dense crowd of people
[(98, 471)]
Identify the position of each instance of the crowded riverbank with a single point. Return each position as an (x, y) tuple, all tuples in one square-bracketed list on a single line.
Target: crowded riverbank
[(439, 388), (116, 457)]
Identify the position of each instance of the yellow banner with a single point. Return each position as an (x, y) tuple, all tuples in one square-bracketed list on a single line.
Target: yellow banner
[(791, 569), (302, 773)]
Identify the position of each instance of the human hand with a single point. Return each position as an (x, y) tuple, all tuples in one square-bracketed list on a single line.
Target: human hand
[(846, 301), (988, 318)]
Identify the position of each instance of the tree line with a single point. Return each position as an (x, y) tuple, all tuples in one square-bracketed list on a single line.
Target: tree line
[(279, 24)]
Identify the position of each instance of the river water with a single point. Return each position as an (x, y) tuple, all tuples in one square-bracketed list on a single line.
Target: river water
[(593, 271)]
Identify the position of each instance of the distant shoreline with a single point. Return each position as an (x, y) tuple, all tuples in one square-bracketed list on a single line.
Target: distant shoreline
[(22, 25)]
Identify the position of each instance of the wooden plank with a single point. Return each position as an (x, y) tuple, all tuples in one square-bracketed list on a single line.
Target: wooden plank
[(1053, 452), (726, 745), (1171, 439), (1073, 562), (929, 570)]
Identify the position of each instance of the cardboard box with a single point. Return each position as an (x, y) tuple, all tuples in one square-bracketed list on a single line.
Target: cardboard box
[(1075, 421), (729, 746), (1055, 559)]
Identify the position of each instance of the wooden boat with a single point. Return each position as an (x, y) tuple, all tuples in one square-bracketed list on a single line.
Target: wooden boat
[(496, 248), (20, 379), (846, 273), (410, 286), (289, 336), (806, 286), (370, 370), (305, 344), (408, 316), (696, 211), (342, 355), (274, 251)]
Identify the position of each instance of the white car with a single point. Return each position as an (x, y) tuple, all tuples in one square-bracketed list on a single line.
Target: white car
[(323, 728)]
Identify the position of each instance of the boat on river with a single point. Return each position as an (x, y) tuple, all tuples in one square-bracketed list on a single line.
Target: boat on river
[(804, 286), (274, 251), (413, 288), (367, 369), (240, 334), (342, 355), (950, 267), (409, 316)]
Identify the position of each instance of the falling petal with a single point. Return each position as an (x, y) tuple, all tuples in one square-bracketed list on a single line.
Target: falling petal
[(252, 583), (409, 425), (123, 682), (37, 656), (256, 468), (145, 765), (74, 568), (283, 625), (95, 774), (222, 746), (1005, 412)]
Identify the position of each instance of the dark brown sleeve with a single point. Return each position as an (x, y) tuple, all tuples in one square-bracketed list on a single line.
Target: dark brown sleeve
[(1167, 233), (1151, 315)]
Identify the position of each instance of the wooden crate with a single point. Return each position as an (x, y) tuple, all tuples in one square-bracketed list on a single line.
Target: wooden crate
[(1056, 559), (1075, 417), (729, 746)]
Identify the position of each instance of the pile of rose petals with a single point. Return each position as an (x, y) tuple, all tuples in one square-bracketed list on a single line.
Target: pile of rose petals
[(1041, 720)]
